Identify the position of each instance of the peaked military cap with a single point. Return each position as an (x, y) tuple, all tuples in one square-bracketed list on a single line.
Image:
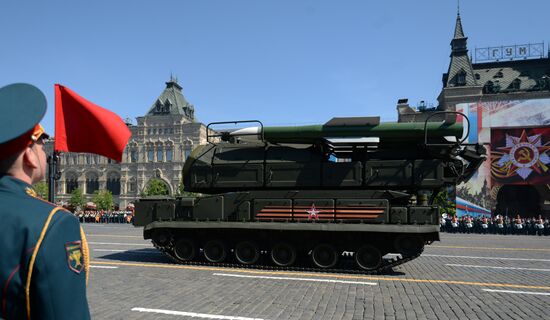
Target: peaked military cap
[(22, 106)]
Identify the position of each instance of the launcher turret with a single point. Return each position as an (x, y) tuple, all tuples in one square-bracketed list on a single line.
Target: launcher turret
[(344, 153)]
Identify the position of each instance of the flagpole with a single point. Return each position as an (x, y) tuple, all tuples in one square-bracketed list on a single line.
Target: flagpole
[(53, 175)]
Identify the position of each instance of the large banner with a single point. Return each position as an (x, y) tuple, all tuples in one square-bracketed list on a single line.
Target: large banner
[(514, 116), (521, 156)]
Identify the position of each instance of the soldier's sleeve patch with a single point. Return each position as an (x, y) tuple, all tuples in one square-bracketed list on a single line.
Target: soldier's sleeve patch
[(75, 258)]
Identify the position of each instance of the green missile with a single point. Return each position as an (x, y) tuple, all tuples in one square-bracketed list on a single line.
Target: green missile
[(355, 128)]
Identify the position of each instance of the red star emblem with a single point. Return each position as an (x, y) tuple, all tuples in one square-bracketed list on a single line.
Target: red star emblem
[(313, 214)]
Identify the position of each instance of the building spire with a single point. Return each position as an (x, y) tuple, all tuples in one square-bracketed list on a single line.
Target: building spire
[(459, 33), (460, 69)]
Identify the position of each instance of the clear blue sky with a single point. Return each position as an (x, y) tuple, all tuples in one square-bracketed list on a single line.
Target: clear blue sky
[(279, 61)]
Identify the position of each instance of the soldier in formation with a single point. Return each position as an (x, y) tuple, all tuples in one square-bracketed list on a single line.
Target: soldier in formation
[(497, 225)]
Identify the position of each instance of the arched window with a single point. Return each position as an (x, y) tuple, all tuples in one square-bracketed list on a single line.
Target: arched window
[(113, 183), (92, 183), (160, 153), (187, 147), (150, 153), (71, 182), (169, 153), (132, 152)]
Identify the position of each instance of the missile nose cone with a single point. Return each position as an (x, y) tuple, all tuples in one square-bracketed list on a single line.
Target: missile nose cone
[(249, 133)]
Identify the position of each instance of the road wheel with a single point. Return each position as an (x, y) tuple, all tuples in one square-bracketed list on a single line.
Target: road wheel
[(283, 254), (185, 249), (368, 257), (215, 251), (324, 256), (409, 245), (247, 252), (161, 237)]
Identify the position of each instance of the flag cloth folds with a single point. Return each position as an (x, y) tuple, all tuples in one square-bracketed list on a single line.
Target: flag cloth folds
[(82, 126)]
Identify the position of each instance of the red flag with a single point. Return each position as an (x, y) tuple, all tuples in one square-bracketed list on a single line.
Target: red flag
[(82, 126)]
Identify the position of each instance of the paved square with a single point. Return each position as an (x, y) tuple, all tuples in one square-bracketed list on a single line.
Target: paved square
[(461, 277)]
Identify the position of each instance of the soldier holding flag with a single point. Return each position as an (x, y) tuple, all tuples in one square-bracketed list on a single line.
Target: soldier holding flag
[(44, 256)]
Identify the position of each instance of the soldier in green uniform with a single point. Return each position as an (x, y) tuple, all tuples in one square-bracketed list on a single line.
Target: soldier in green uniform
[(43, 252)]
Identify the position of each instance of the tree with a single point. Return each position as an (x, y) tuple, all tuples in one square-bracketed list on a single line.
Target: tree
[(156, 187), (182, 193), (77, 199), (446, 203), (41, 189), (103, 199)]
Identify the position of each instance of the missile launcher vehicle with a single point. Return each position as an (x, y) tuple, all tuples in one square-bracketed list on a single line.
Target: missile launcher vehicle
[(338, 196)]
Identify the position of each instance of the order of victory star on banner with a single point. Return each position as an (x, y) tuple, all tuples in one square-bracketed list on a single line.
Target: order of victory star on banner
[(522, 156)]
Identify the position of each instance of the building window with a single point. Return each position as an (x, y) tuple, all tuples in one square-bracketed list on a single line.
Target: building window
[(488, 87), (168, 153), (113, 184), (515, 85), (71, 183), (150, 154), (88, 159), (160, 154), (92, 184), (186, 153), (132, 186), (543, 83), (133, 156), (461, 78), (186, 149)]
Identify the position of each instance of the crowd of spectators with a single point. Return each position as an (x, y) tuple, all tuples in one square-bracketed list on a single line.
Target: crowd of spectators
[(93, 216), (496, 225), (465, 224)]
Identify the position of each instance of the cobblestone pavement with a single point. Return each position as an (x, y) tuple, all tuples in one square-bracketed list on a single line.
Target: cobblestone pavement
[(461, 277)]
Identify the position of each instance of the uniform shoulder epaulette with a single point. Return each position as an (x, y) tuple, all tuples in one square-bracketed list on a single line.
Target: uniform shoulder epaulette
[(32, 193)]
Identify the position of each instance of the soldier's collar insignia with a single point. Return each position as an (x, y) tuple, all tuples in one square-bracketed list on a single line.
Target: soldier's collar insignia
[(31, 192), (75, 258)]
